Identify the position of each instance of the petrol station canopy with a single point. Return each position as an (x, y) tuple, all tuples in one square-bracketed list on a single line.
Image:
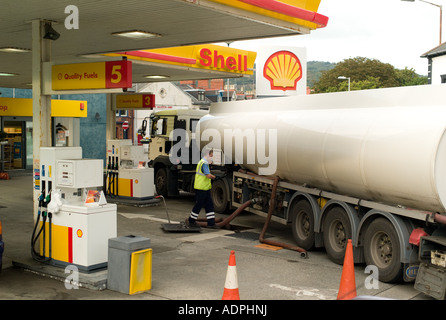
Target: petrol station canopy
[(171, 23)]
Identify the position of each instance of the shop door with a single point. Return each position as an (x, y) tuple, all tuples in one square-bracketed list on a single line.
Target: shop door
[(17, 152)]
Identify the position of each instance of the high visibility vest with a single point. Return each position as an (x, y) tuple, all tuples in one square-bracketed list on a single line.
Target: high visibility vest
[(201, 181)]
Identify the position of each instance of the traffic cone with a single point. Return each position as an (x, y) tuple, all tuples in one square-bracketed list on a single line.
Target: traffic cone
[(231, 284), (347, 288)]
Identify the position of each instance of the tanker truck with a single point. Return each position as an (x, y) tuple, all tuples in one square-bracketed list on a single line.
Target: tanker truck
[(369, 166)]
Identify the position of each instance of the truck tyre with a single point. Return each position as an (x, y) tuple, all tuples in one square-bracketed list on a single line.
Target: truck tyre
[(161, 182), (337, 230), (220, 196), (302, 224), (382, 249)]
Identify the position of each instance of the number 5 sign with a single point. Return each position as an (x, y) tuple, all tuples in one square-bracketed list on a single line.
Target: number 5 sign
[(96, 75), (118, 74)]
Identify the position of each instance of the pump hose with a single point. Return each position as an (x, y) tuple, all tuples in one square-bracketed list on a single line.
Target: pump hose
[(225, 222), (439, 218), (303, 252), (35, 237)]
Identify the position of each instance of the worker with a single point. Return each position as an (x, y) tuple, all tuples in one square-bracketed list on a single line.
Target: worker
[(202, 186)]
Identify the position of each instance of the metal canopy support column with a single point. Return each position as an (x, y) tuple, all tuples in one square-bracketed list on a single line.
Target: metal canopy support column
[(41, 52), (111, 118)]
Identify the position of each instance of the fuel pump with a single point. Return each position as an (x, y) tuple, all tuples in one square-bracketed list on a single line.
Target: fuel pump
[(128, 177), (74, 220)]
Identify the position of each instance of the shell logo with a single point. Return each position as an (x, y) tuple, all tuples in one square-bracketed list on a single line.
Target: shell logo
[(283, 70)]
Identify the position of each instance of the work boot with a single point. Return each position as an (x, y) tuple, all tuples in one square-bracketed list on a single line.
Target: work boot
[(192, 224)]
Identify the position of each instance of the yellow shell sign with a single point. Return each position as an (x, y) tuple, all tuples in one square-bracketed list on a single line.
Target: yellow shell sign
[(206, 57), (283, 69)]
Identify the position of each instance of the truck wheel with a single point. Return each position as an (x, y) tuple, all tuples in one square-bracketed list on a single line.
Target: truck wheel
[(382, 249), (219, 195), (161, 182), (302, 224), (337, 231)]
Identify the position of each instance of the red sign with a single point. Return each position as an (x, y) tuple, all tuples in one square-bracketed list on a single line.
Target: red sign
[(125, 125), (118, 74), (148, 101)]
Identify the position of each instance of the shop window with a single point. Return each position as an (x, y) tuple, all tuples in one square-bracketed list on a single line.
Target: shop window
[(121, 113)]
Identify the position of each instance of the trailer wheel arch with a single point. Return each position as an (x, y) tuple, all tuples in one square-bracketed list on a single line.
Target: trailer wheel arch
[(402, 226), (353, 221), (297, 196), (316, 211), (349, 210)]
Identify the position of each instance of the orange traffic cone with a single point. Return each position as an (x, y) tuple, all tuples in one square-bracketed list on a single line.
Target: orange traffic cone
[(347, 288), (231, 284)]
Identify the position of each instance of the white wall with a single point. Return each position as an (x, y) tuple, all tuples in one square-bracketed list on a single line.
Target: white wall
[(438, 69), (167, 96)]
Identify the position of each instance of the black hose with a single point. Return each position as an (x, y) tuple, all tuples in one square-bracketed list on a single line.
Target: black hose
[(36, 256), (33, 240)]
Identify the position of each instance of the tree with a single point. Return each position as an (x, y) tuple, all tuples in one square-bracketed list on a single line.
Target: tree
[(364, 74), (408, 77)]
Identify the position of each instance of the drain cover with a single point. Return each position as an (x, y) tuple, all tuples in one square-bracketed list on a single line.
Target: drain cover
[(179, 227)]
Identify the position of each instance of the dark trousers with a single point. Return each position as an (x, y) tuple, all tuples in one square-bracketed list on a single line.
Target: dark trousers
[(203, 199)]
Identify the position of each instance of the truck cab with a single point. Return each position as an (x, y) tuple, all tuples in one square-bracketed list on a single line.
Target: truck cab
[(170, 177)]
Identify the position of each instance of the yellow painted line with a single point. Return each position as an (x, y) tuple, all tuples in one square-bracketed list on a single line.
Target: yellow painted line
[(268, 247)]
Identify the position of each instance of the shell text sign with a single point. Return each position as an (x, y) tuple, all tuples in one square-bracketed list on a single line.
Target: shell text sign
[(283, 70)]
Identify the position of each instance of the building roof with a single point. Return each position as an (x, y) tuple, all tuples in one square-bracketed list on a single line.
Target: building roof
[(193, 93), (437, 51)]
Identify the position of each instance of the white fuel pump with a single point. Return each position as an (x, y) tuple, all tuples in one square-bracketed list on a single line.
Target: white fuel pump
[(75, 221), (128, 177)]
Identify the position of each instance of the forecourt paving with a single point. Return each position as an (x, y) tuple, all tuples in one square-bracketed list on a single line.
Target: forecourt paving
[(185, 266)]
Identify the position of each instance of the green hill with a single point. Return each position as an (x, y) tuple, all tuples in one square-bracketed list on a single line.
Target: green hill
[(314, 69)]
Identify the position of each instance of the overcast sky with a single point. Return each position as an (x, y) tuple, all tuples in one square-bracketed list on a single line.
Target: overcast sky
[(392, 31)]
